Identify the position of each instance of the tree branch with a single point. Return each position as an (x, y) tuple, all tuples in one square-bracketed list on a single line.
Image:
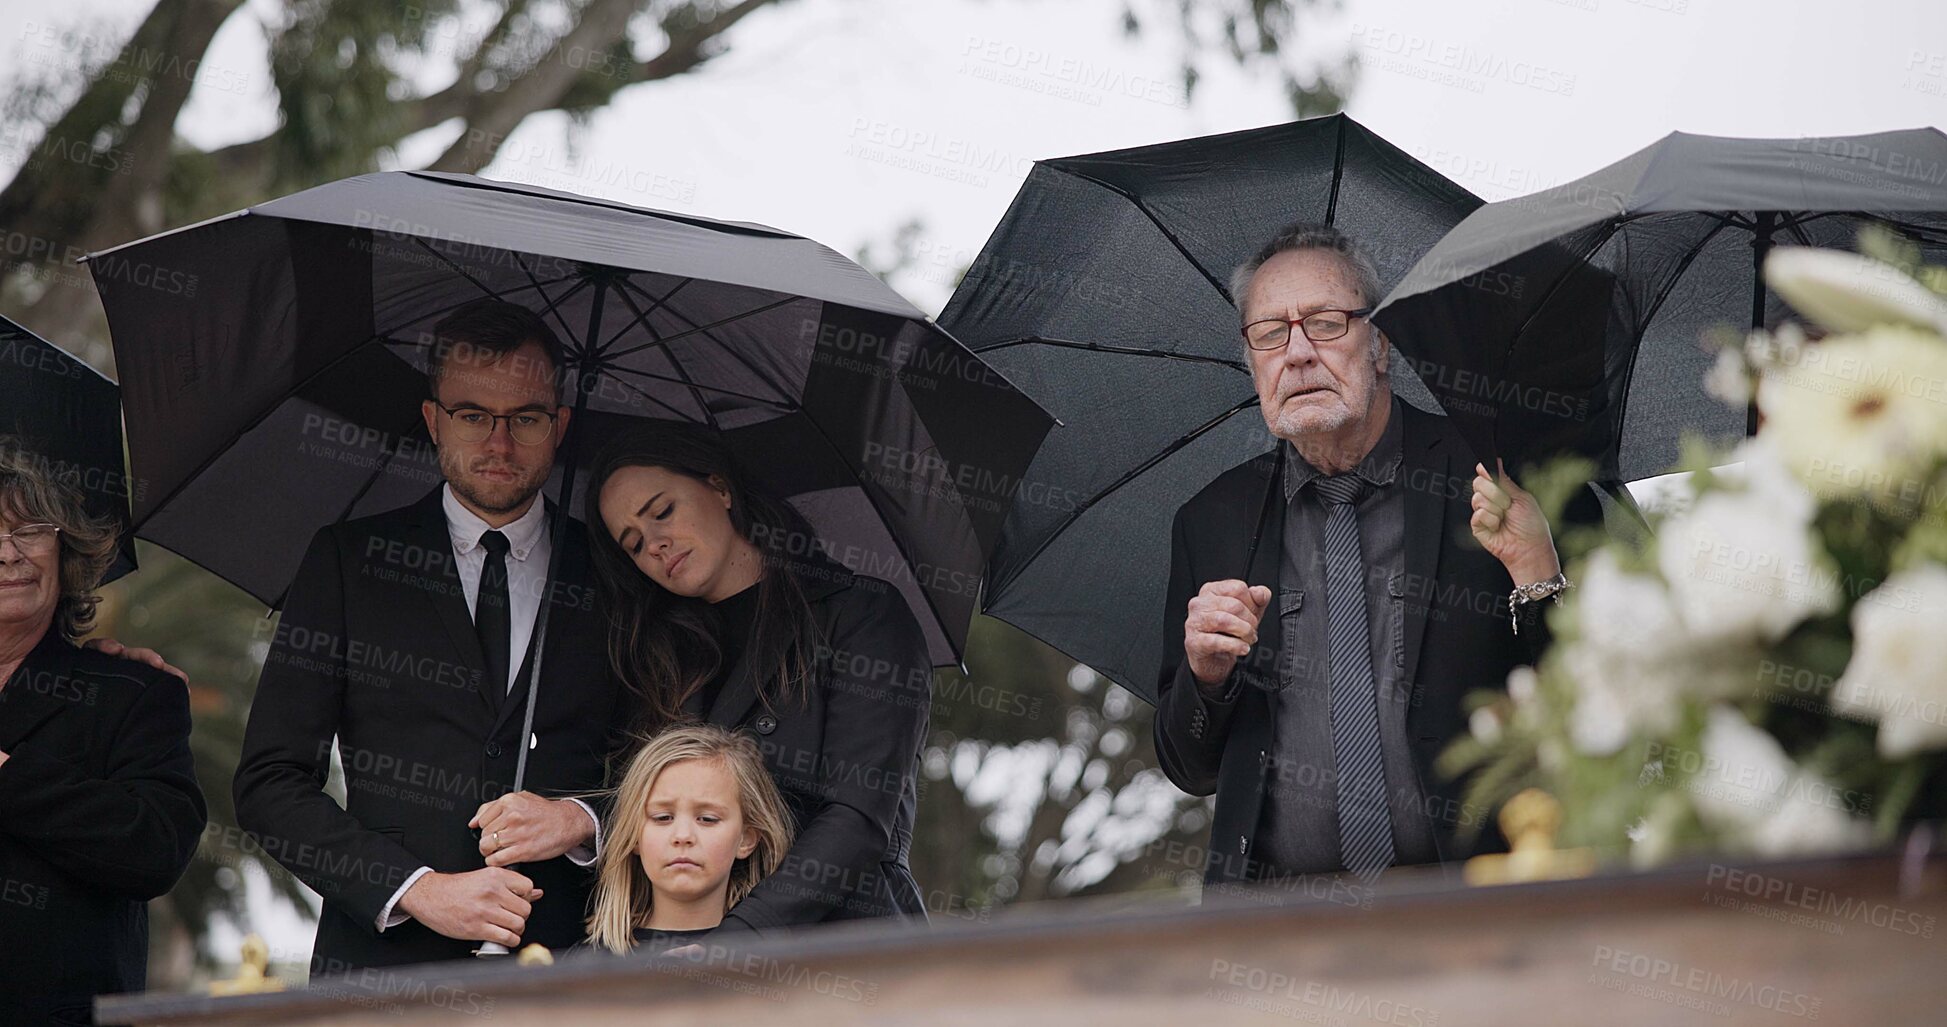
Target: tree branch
[(491, 117), (53, 197)]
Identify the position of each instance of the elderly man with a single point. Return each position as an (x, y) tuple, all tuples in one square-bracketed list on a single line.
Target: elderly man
[(99, 809), (1315, 711)]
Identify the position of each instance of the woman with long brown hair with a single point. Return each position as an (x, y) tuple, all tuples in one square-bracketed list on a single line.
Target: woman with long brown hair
[(722, 610)]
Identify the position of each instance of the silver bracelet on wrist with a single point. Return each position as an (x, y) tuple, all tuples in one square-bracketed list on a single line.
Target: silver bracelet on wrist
[(1535, 592)]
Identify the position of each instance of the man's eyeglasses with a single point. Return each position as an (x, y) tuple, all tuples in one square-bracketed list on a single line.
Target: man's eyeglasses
[(1318, 326), (472, 424), (32, 539)]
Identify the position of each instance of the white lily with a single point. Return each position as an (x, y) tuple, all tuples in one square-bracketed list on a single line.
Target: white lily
[(1845, 292), (1898, 649)]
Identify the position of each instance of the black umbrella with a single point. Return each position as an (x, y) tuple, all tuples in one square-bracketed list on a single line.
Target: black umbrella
[(272, 365), (67, 417), (1105, 293), (1569, 321)]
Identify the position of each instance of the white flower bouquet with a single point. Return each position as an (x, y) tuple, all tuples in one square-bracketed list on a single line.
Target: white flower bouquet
[(1767, 673)]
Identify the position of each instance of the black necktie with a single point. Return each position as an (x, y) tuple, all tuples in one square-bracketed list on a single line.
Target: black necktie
[(491, 618), (1365, 826)]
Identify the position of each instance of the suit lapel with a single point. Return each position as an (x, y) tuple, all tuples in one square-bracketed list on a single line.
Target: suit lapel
[(1426, 460), (448, 594)]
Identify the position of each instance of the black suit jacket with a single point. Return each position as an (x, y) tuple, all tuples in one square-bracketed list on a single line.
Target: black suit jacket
[(1457, 640), (845, 755), (376, 647), (99, 813)]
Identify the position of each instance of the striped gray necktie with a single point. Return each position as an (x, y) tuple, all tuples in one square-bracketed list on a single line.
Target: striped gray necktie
[(1365, 828)]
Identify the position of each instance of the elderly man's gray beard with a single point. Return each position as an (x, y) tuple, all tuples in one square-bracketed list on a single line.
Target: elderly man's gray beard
[(1285, 424)]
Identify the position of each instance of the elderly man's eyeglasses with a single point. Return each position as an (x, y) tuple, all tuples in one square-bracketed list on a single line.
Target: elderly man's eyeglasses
[(1318, 326), (32, 539), (472, 424)]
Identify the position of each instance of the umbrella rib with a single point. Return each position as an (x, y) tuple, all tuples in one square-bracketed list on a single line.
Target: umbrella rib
[(1557, 286), (642, 318), (1338, 173), (1128, 476), (1629, 375), (554, 305), (651, 398), (665, 340), (449, 308), (1669, 286), (462, 272), (785, 405), (1222, 289), (1131, 351), (723, 347)]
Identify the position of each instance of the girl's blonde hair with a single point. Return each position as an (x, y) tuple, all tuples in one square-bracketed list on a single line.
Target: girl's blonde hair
[(622, 891)]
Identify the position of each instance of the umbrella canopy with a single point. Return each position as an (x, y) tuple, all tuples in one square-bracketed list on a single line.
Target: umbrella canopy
[(273, 362), (68, 417), (1569, 321), (1105, 293)]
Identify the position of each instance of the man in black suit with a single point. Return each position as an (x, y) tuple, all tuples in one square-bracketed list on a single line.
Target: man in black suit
[(407, 637), (1313, 697)]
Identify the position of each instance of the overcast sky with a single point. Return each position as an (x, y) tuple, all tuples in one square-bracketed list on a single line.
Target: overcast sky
[(841, 119)]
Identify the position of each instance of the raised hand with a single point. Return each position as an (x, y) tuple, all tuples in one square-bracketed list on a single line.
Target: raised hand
[(1509, 524), (1222, 627)]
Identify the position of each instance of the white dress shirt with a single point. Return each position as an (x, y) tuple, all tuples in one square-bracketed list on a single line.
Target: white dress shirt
[(528, 550)]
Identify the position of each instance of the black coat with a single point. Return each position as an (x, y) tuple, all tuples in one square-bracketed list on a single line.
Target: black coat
[(1457, 640), (376, 647), (99, 813), (845, 755)]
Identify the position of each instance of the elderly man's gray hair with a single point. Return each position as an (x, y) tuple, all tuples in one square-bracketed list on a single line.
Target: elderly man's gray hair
[(1307, 235)]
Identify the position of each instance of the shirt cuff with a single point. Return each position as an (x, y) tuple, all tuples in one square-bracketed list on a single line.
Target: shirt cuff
[(584, 855), (387, 918)]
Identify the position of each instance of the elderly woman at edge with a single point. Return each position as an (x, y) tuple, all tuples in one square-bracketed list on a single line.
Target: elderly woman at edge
[(99, 809)]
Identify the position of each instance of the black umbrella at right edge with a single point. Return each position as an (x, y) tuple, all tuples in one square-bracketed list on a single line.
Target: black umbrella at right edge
[(1104, 294), (1569, 321)]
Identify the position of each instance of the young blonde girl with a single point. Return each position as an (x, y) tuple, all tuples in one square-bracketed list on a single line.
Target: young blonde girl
[(697, 823)]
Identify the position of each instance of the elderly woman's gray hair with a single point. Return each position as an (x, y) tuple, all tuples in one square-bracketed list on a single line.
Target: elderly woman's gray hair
[(1305, 235), (31, 492)]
